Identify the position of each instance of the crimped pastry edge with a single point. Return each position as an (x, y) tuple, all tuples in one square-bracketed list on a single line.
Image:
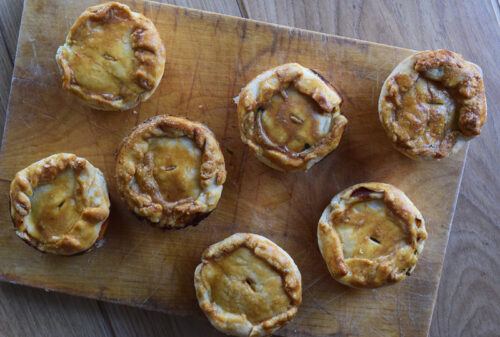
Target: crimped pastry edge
[(330, 244), (404, 67), (152, 41), (306, 81), (25, 182), (280, 260), (213, 168)]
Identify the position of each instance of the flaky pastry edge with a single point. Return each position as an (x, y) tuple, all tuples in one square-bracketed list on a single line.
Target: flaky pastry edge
[(147, 41), (263, 87), (477, 101), (182, 213), (238, 324), (382, 272), (94, 215)]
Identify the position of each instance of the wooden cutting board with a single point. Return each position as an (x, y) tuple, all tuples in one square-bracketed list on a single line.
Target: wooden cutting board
[(209, 58)]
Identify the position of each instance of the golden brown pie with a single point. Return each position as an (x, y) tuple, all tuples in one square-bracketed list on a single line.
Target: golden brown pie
[(170, 171), (60, 204), (431, 103), (371, 235), (248, 286), (290, 117), (113, 58)]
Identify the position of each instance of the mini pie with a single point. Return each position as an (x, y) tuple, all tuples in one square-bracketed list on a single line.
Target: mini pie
[(371, 235), (248, 286), (290, 117), (170, 171), (432, 103), (60, 204), (113, 58)]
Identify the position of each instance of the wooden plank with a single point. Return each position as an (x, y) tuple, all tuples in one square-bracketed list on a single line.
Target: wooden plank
[(455, 318), (369, 71), (470, 28), (32, 312), (28, 311), (10, 20), (469, 293), (129, 321), (6, 67)]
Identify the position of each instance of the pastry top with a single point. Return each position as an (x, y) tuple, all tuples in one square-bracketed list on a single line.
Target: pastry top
[(248, 286), (432, 103), (60, 204), (113, 58), (290, 117), (170, 171), (371, 235)]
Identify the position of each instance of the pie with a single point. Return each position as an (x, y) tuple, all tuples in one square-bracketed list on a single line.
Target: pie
[(60, 204), (170, 171), (432, 103), (113, 58), (248, 286), (290, 117), (371, 235)]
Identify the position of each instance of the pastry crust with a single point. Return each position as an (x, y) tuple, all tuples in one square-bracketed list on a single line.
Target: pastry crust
[(60, 204), (371, 235), (113, 58), (248, 286), (432, 103), (170, 171), (290, 117)]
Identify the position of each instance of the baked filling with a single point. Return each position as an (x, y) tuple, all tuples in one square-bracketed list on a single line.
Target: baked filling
[(170, 171), (243, 283), (113, 58), (371, 235), (60, 204), (248, 286), (290, 117), (431, 103)]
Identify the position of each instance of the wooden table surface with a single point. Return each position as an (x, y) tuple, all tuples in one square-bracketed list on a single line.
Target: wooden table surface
[(468, 302)]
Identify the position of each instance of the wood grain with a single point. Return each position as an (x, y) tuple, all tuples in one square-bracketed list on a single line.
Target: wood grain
[(141, 267), (30, 312), (469, 294), (475, 312), (10, 20)]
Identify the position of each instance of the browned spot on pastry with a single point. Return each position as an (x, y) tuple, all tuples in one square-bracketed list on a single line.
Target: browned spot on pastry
[(361, 192)]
